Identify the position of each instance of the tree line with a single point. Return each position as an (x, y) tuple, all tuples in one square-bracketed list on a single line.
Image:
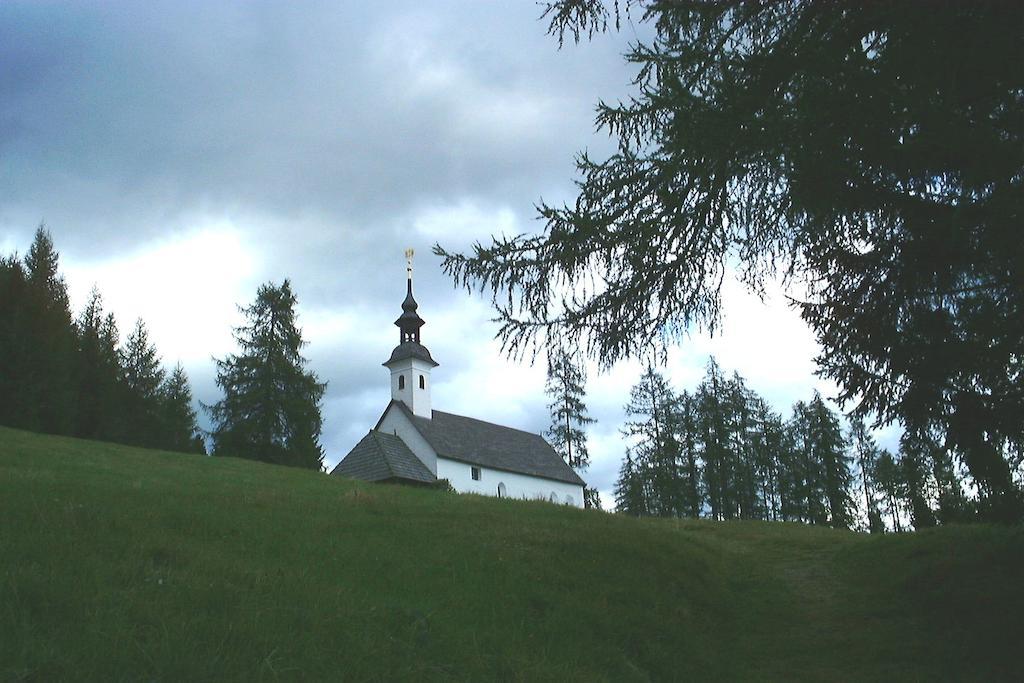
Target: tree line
[(72, 376), (721, 452)]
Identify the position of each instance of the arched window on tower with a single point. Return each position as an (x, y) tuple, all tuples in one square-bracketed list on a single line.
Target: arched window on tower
[(401, 382), (423, 382)]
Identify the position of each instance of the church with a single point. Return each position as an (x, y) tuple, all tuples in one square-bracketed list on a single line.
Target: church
[(413, 443)]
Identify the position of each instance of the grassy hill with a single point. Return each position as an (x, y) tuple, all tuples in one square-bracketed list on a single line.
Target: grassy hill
[(119, 563)]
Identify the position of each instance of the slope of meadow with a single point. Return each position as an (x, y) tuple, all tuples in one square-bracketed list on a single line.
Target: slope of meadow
[(120, 563)]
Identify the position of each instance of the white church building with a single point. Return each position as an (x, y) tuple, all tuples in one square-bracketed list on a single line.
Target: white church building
[(413, 443)]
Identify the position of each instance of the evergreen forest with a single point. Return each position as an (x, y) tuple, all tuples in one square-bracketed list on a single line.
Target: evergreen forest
[(72, 375), (721, 452)]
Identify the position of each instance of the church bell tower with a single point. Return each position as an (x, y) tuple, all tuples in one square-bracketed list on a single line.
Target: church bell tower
[(410, 363)]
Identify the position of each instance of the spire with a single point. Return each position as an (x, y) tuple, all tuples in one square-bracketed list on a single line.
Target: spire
[(409, 323), (410, 363)]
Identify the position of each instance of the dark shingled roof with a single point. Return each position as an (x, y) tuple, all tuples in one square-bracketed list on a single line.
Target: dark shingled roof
[(379, 456), (410, 350), (490, 445)]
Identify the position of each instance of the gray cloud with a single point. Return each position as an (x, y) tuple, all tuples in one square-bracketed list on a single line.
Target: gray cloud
[(119, 119)]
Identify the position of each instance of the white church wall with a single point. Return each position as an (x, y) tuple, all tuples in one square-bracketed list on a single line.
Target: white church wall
[(396, 422), (460, 475)]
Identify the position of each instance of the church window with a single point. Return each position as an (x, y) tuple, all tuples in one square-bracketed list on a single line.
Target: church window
[(423, 382), (401, 382), (475, 471), (502, 491)]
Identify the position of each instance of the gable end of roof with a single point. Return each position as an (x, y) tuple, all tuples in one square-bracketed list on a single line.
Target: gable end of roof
[(379, 456)]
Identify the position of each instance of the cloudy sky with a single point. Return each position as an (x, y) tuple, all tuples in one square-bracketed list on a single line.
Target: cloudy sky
[(182, 153)]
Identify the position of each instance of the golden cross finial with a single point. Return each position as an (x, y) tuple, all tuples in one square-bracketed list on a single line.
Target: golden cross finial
[(408, 262)]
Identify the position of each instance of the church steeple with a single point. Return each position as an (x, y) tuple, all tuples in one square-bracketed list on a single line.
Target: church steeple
[(409, 323), (410, 363)]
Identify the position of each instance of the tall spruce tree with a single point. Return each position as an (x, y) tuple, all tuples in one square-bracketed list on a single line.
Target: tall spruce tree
[(804, 480), (952, 503), (789, 500), (143, 379), (865, 454), (565, 387), (271, 405), (830, 452), (892, 484), (48, 357), (630, 495), (746, 437), (655, 445), (179, 429), (714, 425), (13, 342), (690, 470), (913, 467), (98, 373), (769, 459)]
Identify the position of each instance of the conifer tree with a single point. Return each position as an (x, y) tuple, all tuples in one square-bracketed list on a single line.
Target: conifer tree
[(891, 483), (98, 373), (143, 378), (817, 473), (830, 450), (271, 405), (180, 432), (13, 342), (654, 407), (565, 388), (952, 504), (714, 426), (630, 498), (913, 468), (49, 341), (690, 469), (746, 438), (866, 454), (803, 479), (788, 456), (769, 459)]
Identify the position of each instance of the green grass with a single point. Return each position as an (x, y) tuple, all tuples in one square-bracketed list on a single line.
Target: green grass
[(126, 564)]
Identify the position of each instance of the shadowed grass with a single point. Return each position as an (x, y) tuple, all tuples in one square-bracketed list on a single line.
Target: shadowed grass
[(119, 563)]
